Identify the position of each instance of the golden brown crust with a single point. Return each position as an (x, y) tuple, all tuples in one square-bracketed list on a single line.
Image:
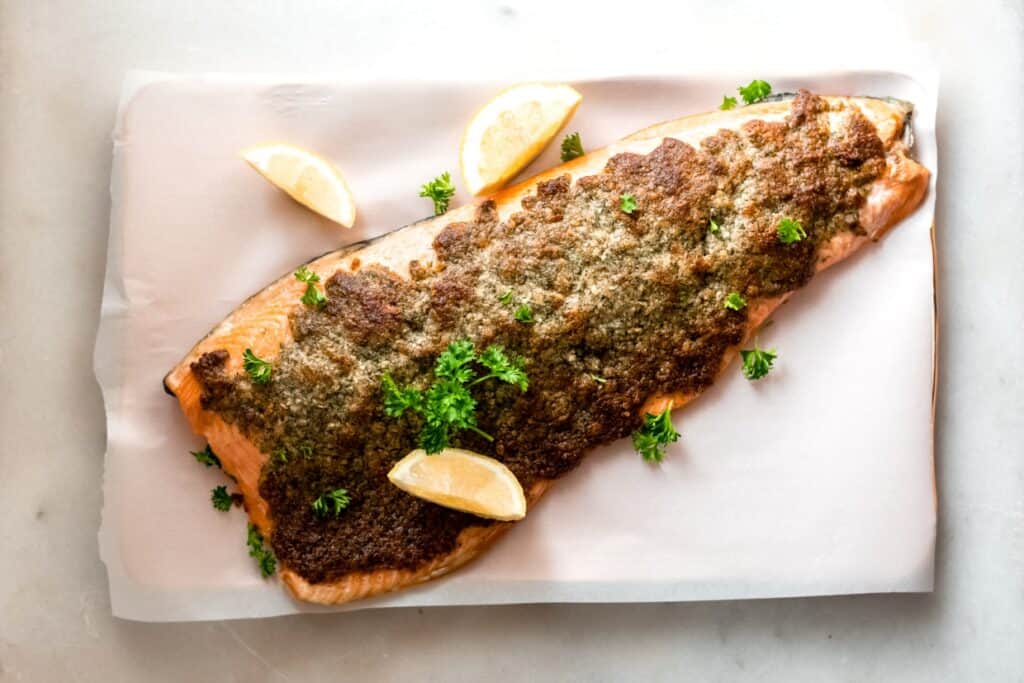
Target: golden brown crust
[(471, 542), (262, 322)]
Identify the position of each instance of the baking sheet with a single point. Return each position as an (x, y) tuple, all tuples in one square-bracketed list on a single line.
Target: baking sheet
[(817, 480)]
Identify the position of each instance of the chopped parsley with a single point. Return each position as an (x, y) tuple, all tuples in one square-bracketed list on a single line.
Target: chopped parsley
[(727, 103), (306, 451), (735, 302), (654, 435), (439, 190), (627, 203), (790, 231), (206, 457), (313, 296), (714, 228), (572, 147), (281, 454), (221, 499), (524, 314), (331, 502), (259, 370), (757, 362), (447, 404), (264, 556), (598, 379), (755, 91)]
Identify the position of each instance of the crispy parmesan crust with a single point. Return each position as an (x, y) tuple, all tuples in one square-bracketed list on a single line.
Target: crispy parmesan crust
[(261, 323)]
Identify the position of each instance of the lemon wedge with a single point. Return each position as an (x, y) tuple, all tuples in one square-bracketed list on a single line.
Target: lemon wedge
[(308, 178), (511, 130), (461, 480)]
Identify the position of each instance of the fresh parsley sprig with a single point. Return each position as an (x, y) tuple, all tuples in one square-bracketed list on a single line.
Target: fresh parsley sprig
[(507, 369), (755, 91), (572, 147), (206, 457), (790, 231), (447, 405), (757, 362), (263, 555), (397, 401), (259, 370), (333, 501), (221, 499), (727, 103), (313, 297), (439, 190), (456, 362), (654, 435)]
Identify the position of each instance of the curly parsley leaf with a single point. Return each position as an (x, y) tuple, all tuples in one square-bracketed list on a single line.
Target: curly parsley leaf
[(439, 190), (449, 402), (304, 274), (397, 401), (331, 502), (507, 369), (790, 231), (454, 363), (313, 296), (206, 457), (264, 556), (755, 91), (572, 147), (627, 203), (221, 499), (654, 435), (727, 103), (434, 437), (449, 405), (757, 362), (259, 370), (735, 302), (524, 314)]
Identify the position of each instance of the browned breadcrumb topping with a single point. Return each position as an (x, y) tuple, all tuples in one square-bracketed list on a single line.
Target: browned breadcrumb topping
[(634, 299)]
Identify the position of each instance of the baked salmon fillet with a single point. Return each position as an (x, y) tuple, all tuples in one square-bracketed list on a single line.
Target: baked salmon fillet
[(622, 260)]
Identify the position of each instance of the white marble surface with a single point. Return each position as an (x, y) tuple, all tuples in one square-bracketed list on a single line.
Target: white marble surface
[(61, 62)]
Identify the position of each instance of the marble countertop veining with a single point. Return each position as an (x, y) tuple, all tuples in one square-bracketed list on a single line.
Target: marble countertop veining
[(61, 64)]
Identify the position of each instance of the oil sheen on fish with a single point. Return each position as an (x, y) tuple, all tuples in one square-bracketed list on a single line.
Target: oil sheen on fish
[(627, 315)]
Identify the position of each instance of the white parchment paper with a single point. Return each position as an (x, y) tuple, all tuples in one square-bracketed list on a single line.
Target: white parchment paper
[(817, 480)]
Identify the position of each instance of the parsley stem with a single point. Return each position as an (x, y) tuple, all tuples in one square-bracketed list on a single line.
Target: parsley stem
[(482, 433), (481, 379)]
